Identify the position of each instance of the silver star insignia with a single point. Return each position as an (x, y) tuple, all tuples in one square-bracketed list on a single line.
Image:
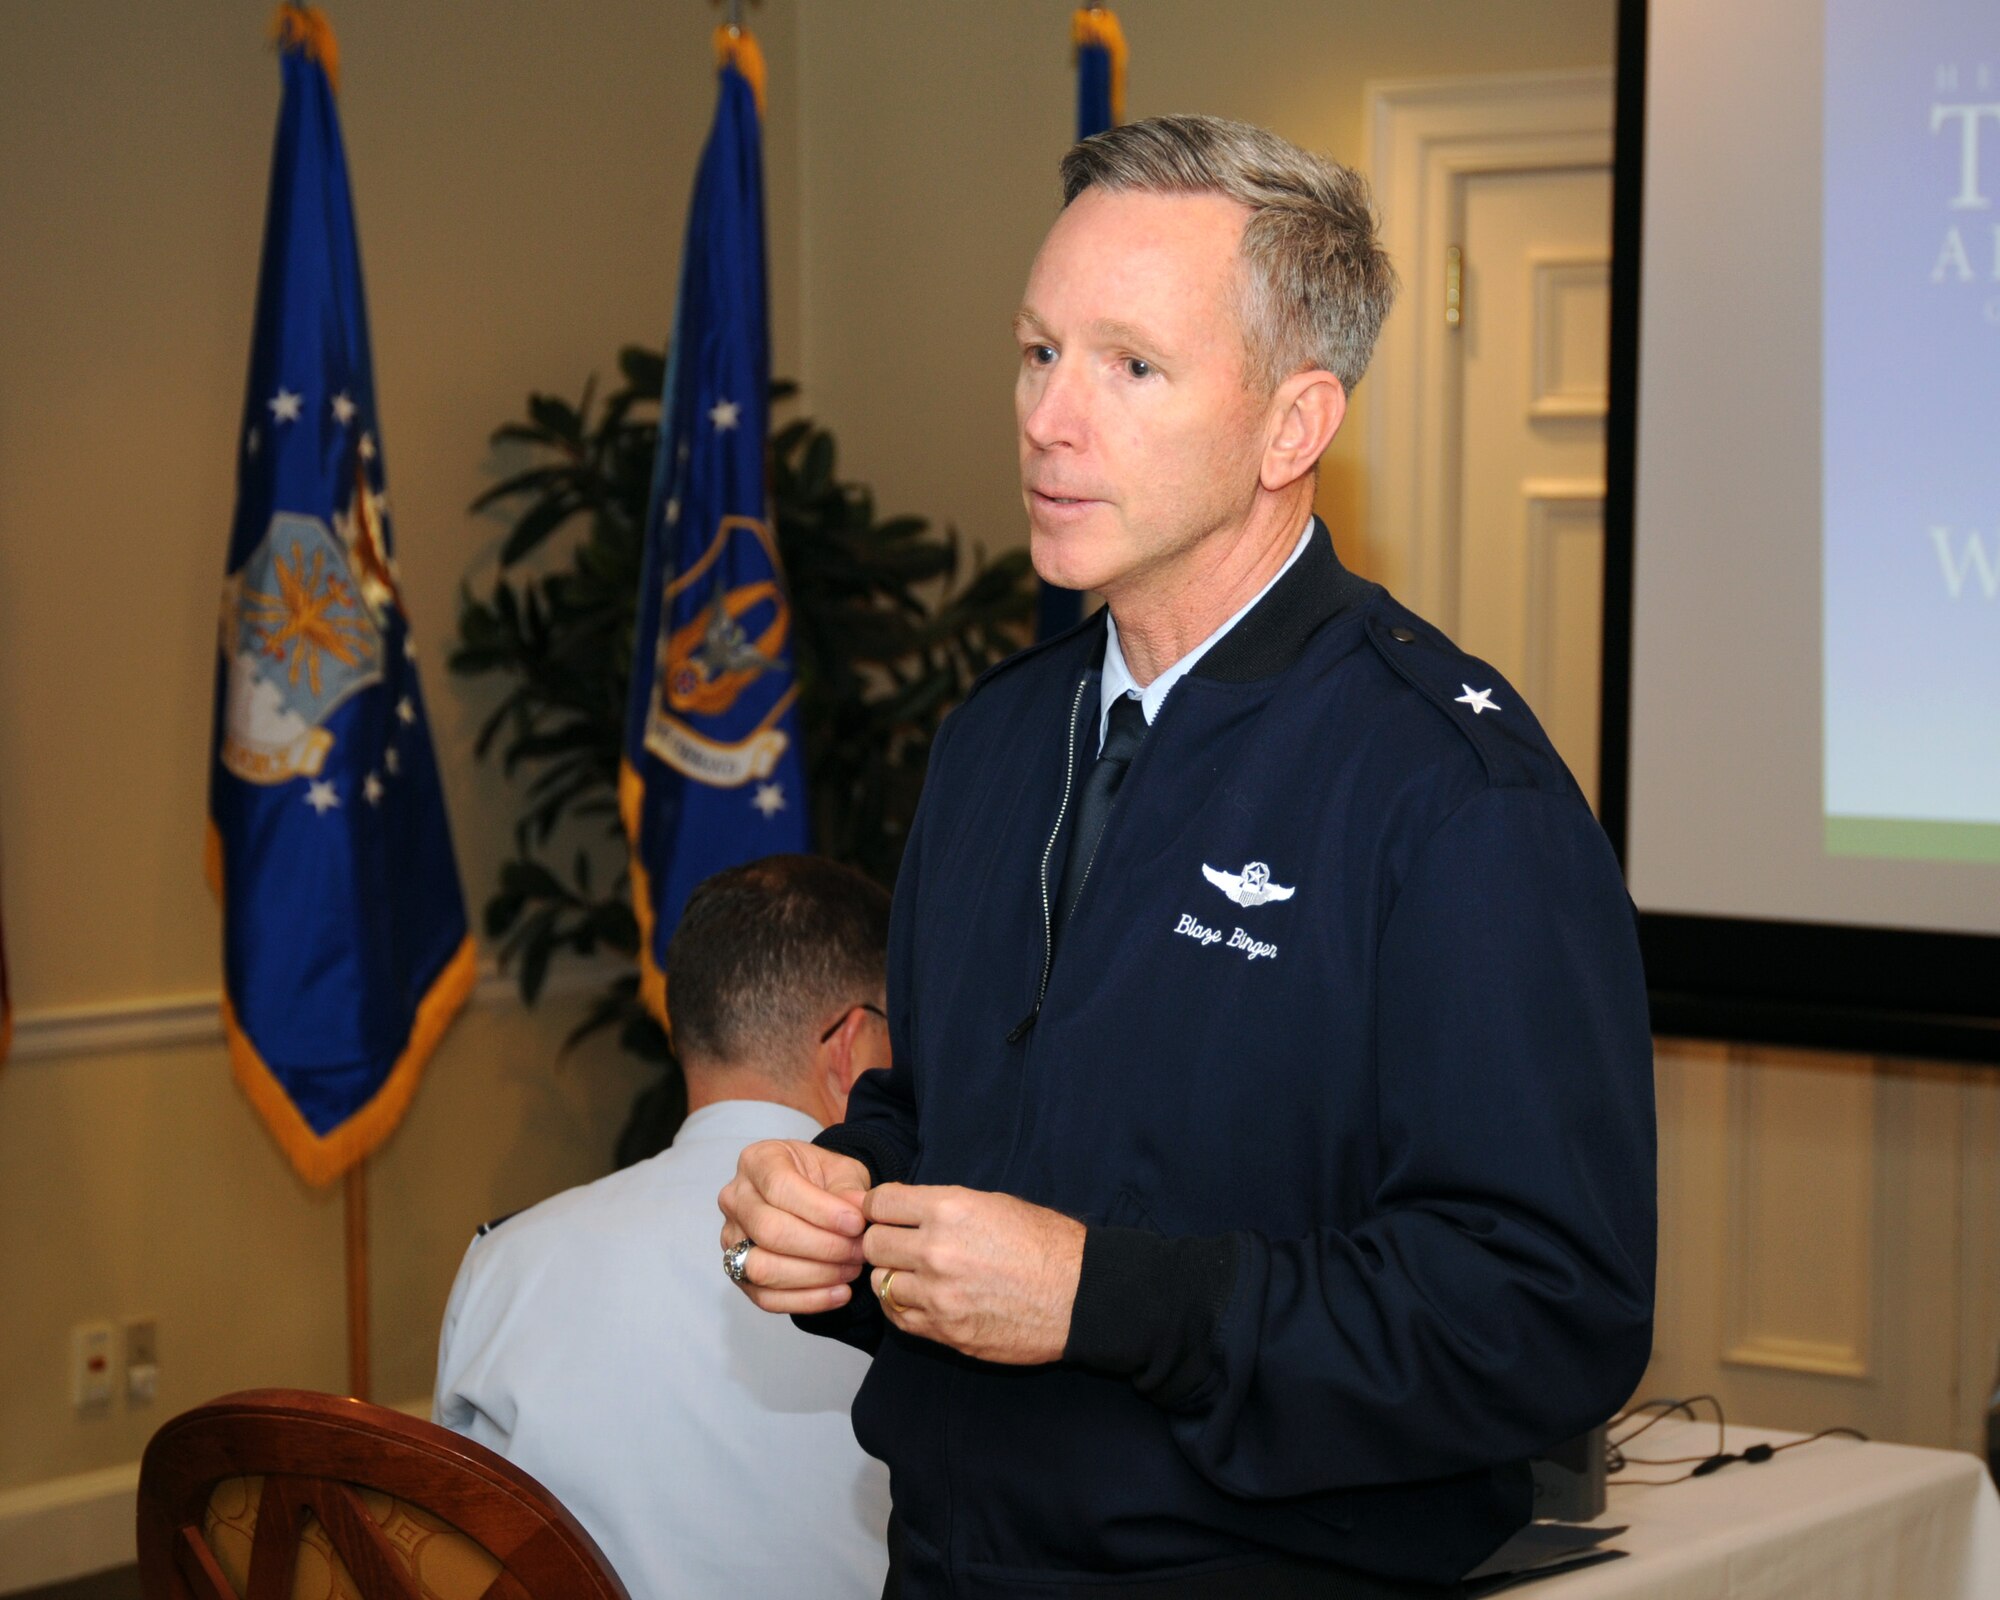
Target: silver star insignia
[(1479, 699)]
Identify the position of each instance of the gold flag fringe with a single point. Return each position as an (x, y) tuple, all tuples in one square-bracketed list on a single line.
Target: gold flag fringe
[(1099, 25), (321, 1158), (652, 980), (738, 47), (305, 28)]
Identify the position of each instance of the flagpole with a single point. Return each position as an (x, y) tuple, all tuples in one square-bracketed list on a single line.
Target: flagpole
[(356, 1185)]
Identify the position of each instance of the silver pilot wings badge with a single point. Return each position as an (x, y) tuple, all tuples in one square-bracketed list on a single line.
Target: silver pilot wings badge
[(1250, 887)]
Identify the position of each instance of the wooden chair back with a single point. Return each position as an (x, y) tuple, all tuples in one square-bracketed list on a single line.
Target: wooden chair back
[(283, 1494)]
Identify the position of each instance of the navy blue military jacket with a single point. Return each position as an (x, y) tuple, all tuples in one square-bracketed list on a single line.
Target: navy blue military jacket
[(1344, 1059)]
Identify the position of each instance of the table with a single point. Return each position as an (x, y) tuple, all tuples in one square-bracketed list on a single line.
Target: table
[(1833, 1520)]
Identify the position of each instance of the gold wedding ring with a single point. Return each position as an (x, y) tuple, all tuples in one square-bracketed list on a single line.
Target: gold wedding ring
[(889, 1301)]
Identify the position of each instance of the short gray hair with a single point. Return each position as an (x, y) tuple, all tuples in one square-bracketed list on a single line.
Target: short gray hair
[(1317, 282)]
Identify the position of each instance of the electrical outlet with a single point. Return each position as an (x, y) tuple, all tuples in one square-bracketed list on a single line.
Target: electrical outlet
[(90, 1374), (142, 1361)]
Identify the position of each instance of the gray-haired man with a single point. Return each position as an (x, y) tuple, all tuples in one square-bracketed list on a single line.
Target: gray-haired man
[(1266, 1171)]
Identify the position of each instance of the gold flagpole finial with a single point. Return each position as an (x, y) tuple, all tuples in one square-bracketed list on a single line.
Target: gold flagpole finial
[(305, 28), (736, 45), (1098, 25)]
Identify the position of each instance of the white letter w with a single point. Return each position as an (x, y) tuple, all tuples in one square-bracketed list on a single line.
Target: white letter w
[(1975, 559)]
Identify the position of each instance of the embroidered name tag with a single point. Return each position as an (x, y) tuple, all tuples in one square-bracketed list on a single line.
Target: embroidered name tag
[(1236, 939)]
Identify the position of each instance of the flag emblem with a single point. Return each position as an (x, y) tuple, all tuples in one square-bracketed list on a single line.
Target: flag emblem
[(301, 644), (712, 659)]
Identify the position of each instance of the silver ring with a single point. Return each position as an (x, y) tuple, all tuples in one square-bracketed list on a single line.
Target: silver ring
[(733, 1257)]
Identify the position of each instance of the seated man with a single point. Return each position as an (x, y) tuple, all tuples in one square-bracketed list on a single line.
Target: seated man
[(590, 1340)]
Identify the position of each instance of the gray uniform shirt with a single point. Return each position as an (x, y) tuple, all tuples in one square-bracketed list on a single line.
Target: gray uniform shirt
[(595, 1341)]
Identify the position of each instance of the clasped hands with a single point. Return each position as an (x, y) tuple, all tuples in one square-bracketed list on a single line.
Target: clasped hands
[(989, 1275)]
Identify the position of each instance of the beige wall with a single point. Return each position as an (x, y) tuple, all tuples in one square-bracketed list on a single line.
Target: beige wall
[(521, 184), (521, 174), (521, 190), (137, 1183), (929, 144)]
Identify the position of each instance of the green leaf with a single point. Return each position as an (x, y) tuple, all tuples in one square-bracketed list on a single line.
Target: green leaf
[(656, 1117), (645, 370), (607, 1010), (535, 480), (536, 523), (501, 911), (644, 1037), (536, 951), (616, 925), (557, 418), (816, 476), (531, 880)]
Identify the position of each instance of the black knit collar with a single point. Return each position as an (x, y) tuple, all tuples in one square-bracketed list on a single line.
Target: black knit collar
[(1316, 589)]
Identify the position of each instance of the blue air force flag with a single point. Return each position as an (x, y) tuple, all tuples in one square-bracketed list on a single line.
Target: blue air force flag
[(345, 948), (712, 773), (1100, 104), (1100, 70)]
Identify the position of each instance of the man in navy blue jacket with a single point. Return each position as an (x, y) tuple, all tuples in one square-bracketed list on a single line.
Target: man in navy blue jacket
[(1266, 1170)]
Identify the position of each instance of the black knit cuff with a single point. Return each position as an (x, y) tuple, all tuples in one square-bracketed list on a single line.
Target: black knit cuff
[(858, 1323), (875, 1151), (1147, 1309)]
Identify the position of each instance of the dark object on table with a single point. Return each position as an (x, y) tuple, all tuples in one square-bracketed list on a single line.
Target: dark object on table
[(1540, 1550), (1569, 1480)]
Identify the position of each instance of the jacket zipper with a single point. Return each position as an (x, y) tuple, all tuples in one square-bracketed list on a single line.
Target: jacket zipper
[(1020, 1029)]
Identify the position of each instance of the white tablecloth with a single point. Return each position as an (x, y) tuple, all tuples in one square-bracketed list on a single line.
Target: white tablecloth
[(1833, 1520)]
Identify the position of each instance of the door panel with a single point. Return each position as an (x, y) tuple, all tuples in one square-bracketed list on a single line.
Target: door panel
[(1532, 345)]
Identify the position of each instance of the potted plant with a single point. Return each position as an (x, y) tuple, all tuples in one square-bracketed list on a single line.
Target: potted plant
[(891, 623)]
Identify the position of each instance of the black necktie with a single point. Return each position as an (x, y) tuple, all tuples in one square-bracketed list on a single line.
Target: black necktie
[(1093, 800)]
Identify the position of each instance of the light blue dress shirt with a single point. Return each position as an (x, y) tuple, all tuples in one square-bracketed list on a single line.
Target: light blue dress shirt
[(595, 1342), (1118, 677)]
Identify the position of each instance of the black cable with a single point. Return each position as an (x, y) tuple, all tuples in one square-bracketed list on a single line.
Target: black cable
[(1755, 1455), (1647, 1405), (1615, 1459)]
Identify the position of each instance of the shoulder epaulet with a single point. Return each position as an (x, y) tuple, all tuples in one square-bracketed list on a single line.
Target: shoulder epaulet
[(1029, 652), (487, 1227), (1474, 698)]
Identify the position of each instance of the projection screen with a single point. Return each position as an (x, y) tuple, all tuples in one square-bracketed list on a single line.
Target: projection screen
[(1802, 703)]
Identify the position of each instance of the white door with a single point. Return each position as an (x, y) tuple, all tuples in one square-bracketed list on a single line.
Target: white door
[(1534, 307)]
